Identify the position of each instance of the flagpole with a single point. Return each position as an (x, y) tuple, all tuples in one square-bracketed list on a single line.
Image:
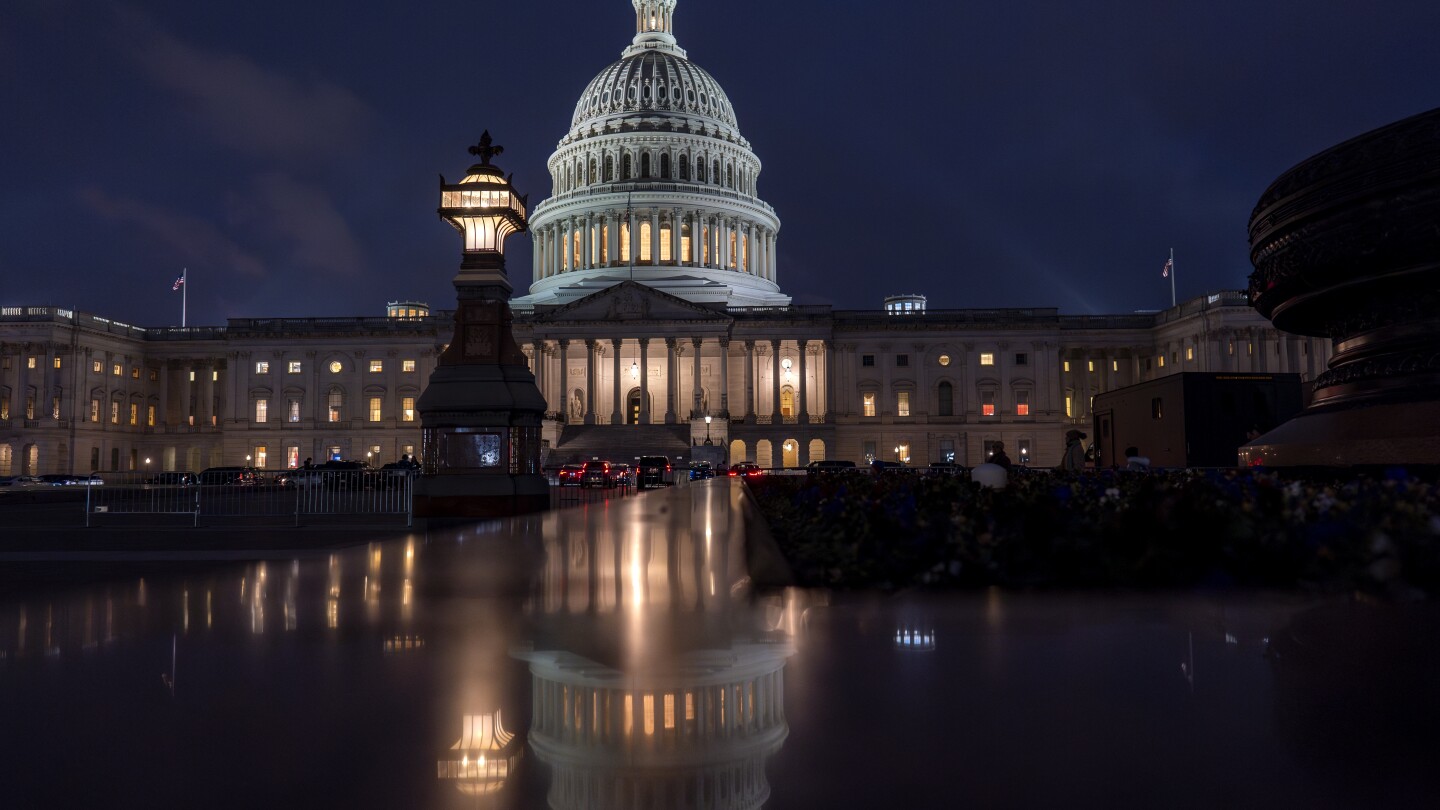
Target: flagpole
[(185, 294), (1172, 278)]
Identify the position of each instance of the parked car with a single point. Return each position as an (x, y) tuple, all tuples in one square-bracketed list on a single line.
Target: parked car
[(622, 475), (654, 472), (70, 480), (595, 474), (746, 469), (172, 479), (701, 470), (20, 481), (830, 467), (230, 476), (569, 475)]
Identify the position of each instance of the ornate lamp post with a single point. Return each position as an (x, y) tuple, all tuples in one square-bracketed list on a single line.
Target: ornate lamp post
[(481, 413), (707, 430)]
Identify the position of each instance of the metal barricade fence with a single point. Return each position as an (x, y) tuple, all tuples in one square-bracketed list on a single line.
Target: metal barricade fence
[(292, 494)]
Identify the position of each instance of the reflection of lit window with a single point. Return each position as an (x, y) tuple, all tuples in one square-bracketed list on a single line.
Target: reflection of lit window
[(669, 710)]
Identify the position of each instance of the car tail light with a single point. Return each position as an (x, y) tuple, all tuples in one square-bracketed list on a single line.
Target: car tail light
[(732, 472)]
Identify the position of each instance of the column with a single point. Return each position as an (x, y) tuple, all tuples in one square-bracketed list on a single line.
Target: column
[(615, 415), (587, 256), (634, 237), (564, 379), (205, 401), (725, 377), (696, 233), (162, 419), (537, 350), (695, 387), (670, 386), (645, 372), (589, 382), (804, 412), (655, 236), (750, 381), (775, 382)]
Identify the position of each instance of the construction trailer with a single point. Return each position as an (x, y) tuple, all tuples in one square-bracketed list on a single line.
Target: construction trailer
[(1192, 419)]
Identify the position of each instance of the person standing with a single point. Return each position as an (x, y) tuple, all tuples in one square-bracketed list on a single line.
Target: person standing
[(1074, 459), (998, 456)]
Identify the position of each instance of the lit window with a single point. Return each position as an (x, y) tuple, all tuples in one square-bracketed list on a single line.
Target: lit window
[(94, 410), (376, 366), (374, 409), (1067, 365), (57, 362), (150, 415), (1231, 348), (1022, 403), (262, 367), (114, 412), (987, 359), (214, 376), (134, 414), (869, 404), (1114, 365), (262, 410), (292, 456), (261, 456), (336, 400), (1250, 348), (154, 375), (408, 449), (115, 370), (944, 359), (1189, 353), (407, 365), (192, 376), (987, 403), (407, 409), (95, 367), (134, 372), (903, 406), (294, 411), (1089, 365), (1162, 361), (30, 363), (335, 366), (294, 367), (1068, 414)]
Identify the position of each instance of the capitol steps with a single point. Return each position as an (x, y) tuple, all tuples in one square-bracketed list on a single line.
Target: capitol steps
[(621, 443)]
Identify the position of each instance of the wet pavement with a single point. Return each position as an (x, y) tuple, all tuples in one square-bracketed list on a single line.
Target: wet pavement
[(625, 654)]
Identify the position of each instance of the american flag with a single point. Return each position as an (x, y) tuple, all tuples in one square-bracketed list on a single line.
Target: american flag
[(180, 279), (1169, 263)]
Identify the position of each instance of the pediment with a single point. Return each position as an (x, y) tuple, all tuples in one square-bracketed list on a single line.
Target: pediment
[(630, 301)]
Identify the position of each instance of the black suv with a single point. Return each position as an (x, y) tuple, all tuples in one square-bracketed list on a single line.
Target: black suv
[(654, 471), (232, 476)]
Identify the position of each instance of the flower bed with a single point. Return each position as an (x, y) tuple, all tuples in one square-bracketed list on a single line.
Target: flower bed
[(1372, 531)]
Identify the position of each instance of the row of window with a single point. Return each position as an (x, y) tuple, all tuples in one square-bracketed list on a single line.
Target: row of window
[(581, 173), (335, 367), (986, 359), (945, 450), (946, 402), (335, 407)]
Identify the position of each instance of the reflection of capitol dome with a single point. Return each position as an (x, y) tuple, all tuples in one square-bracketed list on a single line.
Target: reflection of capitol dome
[(654, 183), (487, 754)]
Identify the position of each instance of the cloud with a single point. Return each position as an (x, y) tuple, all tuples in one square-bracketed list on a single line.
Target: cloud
[(191, 240), (303, 221), (244, 105)]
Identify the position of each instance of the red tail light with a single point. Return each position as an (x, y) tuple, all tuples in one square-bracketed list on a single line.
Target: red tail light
[(667, 468), (732, 472)]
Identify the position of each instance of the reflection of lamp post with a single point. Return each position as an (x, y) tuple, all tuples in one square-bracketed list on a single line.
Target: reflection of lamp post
[(707, 430)]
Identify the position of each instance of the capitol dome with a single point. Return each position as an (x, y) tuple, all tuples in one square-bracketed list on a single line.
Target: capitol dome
[(654, 81), (653, 183)]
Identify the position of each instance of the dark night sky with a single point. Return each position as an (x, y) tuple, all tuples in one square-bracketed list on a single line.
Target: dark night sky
[(987, 153)]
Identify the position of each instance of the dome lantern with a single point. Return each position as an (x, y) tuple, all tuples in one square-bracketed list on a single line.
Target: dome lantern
[(654, 27)]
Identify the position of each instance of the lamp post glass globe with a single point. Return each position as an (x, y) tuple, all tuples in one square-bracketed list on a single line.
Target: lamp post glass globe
[(707, 430)]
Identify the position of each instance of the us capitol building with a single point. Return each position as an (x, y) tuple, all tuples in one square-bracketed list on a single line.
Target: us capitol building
[(654, 323)]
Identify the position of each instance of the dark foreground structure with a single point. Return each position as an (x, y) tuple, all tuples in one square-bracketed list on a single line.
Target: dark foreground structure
[(1345, 247)]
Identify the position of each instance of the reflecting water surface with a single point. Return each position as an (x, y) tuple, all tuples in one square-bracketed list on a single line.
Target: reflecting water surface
[(618, 656)]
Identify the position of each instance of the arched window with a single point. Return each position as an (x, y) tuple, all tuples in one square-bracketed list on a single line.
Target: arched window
[(645, 165), (684, 167), (715, 173), (590, 178), (609, 168), (730, 175), (947, 399), (627, 167), (644, 243), (336, 404), (699, 171), (665, 167), (579, 172)]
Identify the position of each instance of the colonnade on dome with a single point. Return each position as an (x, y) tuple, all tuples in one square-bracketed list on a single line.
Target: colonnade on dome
[(654, 237)]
